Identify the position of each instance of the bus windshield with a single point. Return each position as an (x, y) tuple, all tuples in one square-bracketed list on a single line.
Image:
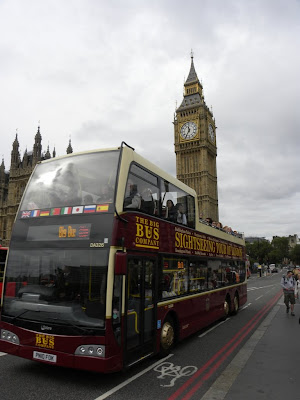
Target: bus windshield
[(58, 286), (72, 181)]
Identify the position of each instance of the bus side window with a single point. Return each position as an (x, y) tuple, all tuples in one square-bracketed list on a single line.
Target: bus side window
[(141, 191), (175, 203)]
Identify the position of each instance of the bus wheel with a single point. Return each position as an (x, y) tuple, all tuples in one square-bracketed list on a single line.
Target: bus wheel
[(235, 305), (167, 337), (226, 308)]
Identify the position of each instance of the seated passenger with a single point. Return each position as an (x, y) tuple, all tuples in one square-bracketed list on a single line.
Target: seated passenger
[(227, 229), (148, 204), (208, 221), (106, 194), (133, 200), (181, 217), (171, 212)]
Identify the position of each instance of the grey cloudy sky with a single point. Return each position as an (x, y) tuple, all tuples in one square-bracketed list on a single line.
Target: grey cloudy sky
[(102, 72)]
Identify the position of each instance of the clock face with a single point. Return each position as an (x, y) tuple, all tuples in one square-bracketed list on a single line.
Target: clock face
[(211, 133), (188, 130)]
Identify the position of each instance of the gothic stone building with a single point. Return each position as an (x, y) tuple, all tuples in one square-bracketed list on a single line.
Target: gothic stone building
[(12, 183), (195, 146)]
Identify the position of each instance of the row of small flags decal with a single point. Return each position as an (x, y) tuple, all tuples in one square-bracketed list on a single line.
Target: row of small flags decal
[(66, 210)]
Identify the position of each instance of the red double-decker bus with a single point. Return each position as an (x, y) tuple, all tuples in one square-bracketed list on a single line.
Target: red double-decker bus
[(110, 264)]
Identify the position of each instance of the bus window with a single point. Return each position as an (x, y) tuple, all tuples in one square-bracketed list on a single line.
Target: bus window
[(235, 273), (198, 276), (174, 277), (141, 191), (117, 293), (177, 206), (218, 273)]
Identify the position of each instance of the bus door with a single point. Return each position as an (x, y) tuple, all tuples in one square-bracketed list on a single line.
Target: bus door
[(140, 306)]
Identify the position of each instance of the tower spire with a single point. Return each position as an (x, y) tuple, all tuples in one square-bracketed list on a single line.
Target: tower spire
[(192, 76), (69, 148)]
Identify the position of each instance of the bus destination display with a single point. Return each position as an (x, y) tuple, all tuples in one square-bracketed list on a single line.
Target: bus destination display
[(59, 232)]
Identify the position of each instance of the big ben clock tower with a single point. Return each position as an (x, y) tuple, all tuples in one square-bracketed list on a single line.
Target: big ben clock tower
[(195, 146)]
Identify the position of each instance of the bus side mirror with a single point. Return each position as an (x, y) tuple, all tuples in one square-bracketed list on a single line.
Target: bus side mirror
[(120, 263)]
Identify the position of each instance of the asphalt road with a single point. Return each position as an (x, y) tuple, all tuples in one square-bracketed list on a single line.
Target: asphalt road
[(205, 366)]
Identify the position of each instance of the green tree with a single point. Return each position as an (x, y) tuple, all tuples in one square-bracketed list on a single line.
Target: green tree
[(295, 254), (280, 249), (258, 251)]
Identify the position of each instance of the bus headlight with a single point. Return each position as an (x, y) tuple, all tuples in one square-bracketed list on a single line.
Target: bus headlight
[(90, 350), (99, 351), (9, 336)]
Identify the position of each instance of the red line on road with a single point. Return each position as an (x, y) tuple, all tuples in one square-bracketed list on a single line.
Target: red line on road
[(234, 341)]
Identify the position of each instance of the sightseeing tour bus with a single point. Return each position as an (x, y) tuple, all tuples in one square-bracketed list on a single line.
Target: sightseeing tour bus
[(110, 264), (3, 254)]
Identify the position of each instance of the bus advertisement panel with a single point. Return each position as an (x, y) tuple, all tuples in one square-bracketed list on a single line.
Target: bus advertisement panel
[(157, 235)]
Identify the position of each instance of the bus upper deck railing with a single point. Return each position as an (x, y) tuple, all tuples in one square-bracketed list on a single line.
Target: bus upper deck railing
[(229, 231)]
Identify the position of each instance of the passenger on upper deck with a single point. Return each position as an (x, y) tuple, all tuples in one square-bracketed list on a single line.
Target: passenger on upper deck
[(171, 212), (148, 204), (106, 194), (227, 229), (181, 217), (133, 198)]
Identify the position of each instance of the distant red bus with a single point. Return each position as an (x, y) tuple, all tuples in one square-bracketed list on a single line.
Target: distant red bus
[(109, 264)]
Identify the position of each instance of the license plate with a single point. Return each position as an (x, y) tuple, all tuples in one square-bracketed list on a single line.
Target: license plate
[(37, 355)]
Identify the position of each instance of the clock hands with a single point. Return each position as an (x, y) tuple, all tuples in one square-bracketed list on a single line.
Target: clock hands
[(188, 130)]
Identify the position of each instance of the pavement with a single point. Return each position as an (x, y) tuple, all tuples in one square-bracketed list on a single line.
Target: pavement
[(267, 367)]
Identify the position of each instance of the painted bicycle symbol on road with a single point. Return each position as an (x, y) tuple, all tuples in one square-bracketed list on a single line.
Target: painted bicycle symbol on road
[(174, 371)]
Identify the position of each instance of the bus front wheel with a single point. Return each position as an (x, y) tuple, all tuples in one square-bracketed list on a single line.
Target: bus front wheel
[(167, 336)]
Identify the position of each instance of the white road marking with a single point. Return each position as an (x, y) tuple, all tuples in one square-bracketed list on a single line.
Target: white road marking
[(2, 354), (170, 370), (249, 289), (214, 327), (116, 388), (246, 306)]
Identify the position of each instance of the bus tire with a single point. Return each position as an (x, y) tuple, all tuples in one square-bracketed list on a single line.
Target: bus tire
[(226, 307), (235, 307), (167, 337)]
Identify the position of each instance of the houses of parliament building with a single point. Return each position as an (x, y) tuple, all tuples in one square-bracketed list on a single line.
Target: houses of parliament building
[(195, 149), (12, 183)]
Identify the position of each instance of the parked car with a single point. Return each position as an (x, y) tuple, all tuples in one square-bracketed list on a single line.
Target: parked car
[(273, 268)]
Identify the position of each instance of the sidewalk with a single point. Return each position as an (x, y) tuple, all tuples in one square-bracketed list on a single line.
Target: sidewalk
[(267, 367)]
